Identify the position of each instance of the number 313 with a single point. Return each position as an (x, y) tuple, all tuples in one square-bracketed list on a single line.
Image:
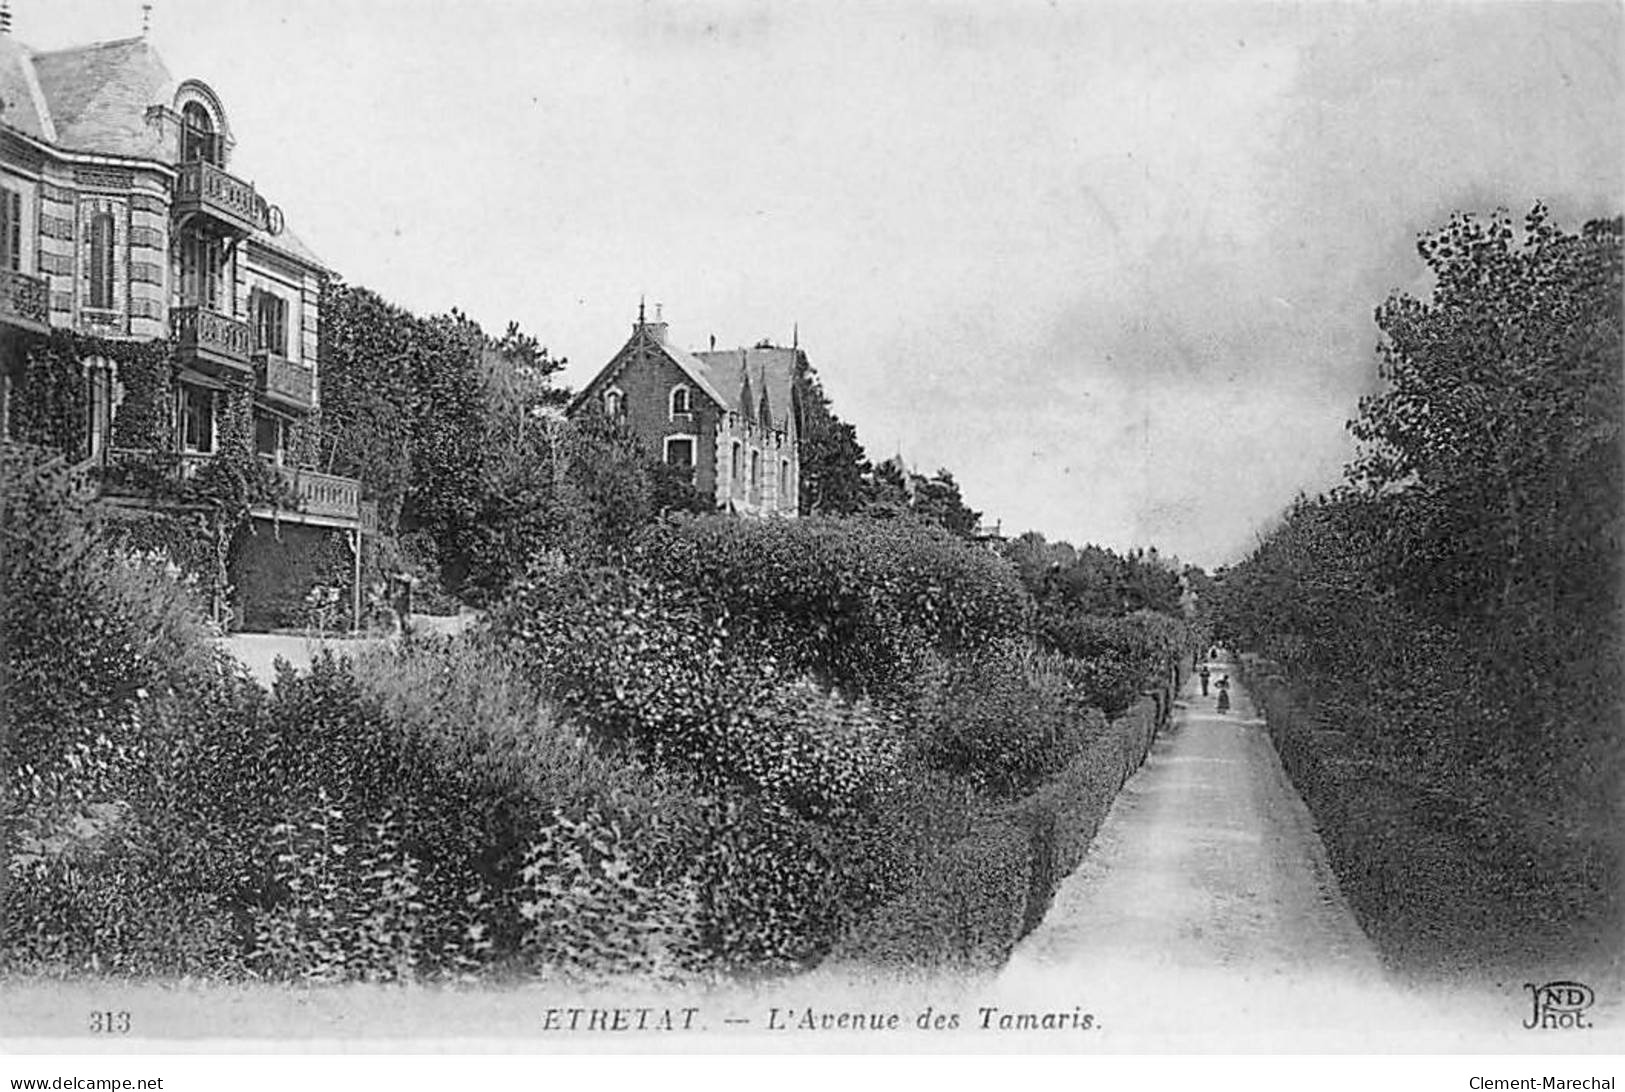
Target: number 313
[(111, 1023)]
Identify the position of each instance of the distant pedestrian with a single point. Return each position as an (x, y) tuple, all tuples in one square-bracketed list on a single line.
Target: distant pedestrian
[(1203, 675), (1224, 693)]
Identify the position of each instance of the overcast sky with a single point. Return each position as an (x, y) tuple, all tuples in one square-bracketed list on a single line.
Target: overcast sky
[(1113, 265)]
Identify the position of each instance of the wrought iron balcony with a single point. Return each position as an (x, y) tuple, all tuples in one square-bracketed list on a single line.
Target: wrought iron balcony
[(279, 380), (25, 301), (206, 190), (208, 340)]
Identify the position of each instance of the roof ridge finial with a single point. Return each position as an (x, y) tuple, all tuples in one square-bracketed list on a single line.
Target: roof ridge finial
[(146, 18), (5, 16), (640, 309), (795, 335)]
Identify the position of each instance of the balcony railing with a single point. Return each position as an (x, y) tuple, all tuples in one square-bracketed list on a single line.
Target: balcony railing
[(25, 301), (283, 380), (163, 476), (210, 338), (223, 197), (325, 494)]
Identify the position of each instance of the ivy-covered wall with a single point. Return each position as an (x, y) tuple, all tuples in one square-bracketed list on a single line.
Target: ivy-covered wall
[(275, 566), (50, 398)]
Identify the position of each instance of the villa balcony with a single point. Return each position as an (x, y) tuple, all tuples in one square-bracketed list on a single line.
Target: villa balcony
[(209, 341), (25, 301), (146, 478), (291, 385), (232, 205), (325, 499)]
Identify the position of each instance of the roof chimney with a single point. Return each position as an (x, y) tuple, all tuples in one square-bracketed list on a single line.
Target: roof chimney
[(658, 326)]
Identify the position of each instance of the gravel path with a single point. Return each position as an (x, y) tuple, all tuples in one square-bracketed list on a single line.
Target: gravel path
[(1206, 911)]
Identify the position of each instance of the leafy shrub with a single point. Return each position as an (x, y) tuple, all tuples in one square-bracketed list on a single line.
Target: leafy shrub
[(590, 907), (968, 911), (646, 666), (851, 601), (1117, 657), (1003, 717)]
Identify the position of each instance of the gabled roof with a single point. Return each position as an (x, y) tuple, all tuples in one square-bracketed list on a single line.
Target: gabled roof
[(96, 97), (653, 335)]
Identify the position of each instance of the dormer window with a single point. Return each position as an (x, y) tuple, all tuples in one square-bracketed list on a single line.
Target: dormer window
[(199, 142), (680, 400)]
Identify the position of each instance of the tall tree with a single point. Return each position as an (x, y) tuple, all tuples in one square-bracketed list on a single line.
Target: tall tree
[(938, 500), (1497, 433), (833, 465)]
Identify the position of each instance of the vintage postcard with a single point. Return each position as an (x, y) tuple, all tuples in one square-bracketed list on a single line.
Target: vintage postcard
[(742, 527)]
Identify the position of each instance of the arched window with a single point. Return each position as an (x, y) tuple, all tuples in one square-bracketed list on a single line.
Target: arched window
[(615, 403), (101, 261), (785, 500), (756, 477), (679, 400), (736, 479), (198, 139)]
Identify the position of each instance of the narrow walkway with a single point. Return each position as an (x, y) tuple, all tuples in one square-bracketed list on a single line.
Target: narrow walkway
[(1205, 908)]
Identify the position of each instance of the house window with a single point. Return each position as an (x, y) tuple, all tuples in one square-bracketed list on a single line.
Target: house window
[(100, 399), (198, 140), (756, 477), (679, 401), (736, 477), (680, 450), (197, 419), (270, 313), (270, 438), (201, 259), (615, 403), (101, 261), (784, 482), (11, 229)]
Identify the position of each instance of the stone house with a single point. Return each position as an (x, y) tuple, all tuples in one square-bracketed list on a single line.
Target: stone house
[(156, 316), (731, 416)]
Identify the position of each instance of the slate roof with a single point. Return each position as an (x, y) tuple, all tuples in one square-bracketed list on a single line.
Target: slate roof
[(771, 370), (289, 245), (22, 103), (97, 97), (732, 378), (94, 98)]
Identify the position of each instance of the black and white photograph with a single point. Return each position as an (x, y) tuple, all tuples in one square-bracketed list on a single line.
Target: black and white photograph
[(736, 527)]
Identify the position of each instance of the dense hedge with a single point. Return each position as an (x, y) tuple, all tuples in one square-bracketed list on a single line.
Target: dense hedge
[(967, 911), (1116, 655), (852, 601), (647, 665), (1430, 893), (991, 888)]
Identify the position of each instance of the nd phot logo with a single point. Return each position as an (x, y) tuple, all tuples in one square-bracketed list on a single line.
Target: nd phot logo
[(1559, 1006)]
